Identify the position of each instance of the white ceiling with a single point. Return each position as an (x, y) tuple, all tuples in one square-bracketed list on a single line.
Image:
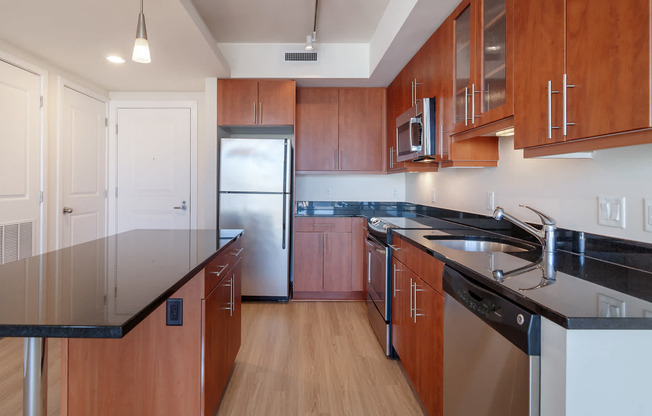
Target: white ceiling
[(184, 36), (290, 21)]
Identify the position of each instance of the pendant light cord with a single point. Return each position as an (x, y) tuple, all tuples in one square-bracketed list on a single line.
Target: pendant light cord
[(314, 25)]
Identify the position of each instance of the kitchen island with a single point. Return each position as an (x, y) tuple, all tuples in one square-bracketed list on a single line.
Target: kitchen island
[(107, 299)]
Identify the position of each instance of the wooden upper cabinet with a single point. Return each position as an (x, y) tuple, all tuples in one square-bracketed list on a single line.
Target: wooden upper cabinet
[(236, 102), (276, 102), (483, 62), (360, 129), (316, 133), (602, 50), (340, 129), (539, 63), (251, 102), (608, 62)]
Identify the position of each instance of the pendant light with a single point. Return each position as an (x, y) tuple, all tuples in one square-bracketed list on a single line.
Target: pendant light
[(310, 39), (141, 46)]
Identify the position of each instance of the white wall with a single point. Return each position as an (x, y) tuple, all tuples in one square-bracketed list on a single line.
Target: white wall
[(350, 187), (565, 189)]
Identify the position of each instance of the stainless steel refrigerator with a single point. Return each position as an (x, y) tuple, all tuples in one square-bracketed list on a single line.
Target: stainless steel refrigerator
[(255, 195)]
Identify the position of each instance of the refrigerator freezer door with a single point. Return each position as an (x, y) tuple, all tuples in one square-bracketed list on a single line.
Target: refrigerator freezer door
[(254, 165), (266, 240)]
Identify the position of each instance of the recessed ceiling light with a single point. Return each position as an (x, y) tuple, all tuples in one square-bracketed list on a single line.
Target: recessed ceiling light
[(115, 59)]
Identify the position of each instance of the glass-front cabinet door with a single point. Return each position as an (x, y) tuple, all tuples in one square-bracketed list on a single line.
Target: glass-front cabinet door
[(464, 44), (483, 79)]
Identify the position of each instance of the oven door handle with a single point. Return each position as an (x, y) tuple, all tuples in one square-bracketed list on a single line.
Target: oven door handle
[(375, 245)]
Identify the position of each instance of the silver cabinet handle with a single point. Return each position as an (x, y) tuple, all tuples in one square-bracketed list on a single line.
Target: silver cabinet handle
[(550, 126), (260, 112), (411, 298), (396, 271), (255, 119), (222, 268), (232, 295), (415, 302), (237, 252), (67, 210), (565, 87), (369, 266), (183, 206), (473, 93), (394, 247), (466, 106)]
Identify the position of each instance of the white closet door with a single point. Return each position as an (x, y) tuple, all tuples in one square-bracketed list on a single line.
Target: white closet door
[(153, 168), (20, 162), (83, 168)]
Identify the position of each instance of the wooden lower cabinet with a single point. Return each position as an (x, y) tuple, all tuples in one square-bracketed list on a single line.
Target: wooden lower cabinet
[(158, 369), (418, 328), (222, 337), (328, 258)]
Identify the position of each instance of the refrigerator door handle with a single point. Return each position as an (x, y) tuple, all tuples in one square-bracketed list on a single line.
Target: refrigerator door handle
[(284, 222)]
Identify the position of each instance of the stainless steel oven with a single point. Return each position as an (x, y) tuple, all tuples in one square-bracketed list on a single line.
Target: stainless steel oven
[(377, 285)]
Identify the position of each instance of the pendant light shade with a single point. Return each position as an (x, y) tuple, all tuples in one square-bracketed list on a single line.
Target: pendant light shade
[(141, 46), (309, 45)]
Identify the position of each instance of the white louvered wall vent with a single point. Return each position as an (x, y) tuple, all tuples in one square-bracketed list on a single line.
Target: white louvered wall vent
[(15, 241), (300, 56)]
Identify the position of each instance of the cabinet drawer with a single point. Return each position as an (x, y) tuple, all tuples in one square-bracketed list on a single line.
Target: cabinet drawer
[(398, 248), (217, 269), (420, 262), (323, 224)]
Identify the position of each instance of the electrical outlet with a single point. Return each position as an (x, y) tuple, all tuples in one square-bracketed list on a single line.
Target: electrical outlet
[(647, 214), (395, 193), (609, 307), (490, 201), (174, 312), (434, 195), (329, 192), (611, 211)]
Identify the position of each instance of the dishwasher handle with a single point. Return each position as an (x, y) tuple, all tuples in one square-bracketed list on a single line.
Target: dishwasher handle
[(517, 324)]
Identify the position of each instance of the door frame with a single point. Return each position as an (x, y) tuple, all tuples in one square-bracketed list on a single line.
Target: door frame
[(63, 83), (43, 162), (114, 106)]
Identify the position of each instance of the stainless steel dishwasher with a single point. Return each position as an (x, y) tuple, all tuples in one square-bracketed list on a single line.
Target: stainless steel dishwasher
[(491, 352)]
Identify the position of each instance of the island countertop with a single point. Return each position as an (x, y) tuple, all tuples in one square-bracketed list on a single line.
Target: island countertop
[(103, 288)]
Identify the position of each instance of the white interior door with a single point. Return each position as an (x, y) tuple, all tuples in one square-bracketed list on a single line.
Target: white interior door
[(83, 168), (20, 162), (153, 168)]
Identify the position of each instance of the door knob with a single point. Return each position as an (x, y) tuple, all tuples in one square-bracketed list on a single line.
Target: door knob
[(67, 210), (183, 206)]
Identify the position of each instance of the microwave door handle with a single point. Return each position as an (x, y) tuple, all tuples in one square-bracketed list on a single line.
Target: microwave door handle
[(415, 120)]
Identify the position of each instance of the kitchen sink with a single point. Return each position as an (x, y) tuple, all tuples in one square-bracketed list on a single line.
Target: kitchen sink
[(481, 244)]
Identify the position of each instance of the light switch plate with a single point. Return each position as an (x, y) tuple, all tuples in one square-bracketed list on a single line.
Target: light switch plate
[(329, 192), (611, 211), (609, 307), (647, 214)]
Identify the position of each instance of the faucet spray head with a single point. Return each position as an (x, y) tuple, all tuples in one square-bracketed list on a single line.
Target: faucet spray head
[(498, 213)]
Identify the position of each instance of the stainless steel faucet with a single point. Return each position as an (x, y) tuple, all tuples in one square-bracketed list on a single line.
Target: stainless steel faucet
[(547, 235)]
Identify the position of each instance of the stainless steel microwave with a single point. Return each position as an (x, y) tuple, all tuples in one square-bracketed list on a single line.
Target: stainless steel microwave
[(415, 132)]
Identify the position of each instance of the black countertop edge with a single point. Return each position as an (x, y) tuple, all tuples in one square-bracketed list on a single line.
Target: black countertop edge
[(627, 253), (112, 331), (574, 323), (151, 307)]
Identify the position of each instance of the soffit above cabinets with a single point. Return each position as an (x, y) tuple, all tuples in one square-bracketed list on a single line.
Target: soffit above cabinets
[(290, 21)]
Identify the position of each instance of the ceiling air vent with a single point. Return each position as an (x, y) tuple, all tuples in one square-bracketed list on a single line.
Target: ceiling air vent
[(300, 56)]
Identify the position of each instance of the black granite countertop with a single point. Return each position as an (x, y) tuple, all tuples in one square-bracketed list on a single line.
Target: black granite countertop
[(599, 282), (103, 288)]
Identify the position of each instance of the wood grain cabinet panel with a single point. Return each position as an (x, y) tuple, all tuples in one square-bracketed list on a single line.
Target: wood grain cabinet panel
[(602, 48), (328, 258), (316, 140), (252, 102), (337, 262), (308, 261), (340, 130), (361, 116), (417, 322)]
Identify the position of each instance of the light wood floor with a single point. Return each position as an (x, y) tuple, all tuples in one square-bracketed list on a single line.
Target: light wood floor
[(300, 358), (11, 377), (314, 358)]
